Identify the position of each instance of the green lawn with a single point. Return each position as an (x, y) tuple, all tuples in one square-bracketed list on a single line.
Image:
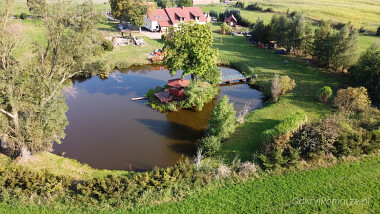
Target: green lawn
[(236, 51), (283, 194), (270, 194)]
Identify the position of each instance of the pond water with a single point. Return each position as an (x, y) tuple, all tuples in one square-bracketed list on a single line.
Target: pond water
[(109, 131)]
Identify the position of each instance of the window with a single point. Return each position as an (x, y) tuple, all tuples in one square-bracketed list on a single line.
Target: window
[(159, 16)]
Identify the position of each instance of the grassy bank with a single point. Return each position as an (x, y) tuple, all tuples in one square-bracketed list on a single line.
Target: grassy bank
[(270, 194), (247, 58)]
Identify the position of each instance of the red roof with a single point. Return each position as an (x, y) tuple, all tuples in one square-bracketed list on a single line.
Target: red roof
[(158, 15), (229, 18), (170, 16), (178, 83), (165, 23)]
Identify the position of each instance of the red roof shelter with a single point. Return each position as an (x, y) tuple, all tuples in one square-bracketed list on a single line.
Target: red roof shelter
[(178, 83), (175, 92)]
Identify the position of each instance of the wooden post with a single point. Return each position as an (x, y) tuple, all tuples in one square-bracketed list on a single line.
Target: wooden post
[(130, 167)]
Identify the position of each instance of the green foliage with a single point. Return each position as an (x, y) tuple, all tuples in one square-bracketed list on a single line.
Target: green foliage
[(316, 138), (254, 6), (41, 183), (132, 11), (287, 84), (225, 29), (209, 145), (352, 100), (38, 7), (189, 49), (222, 122), (338, 50), (213, 13), (378, 31), (174, 3), (35, 113), (366, 73), (290, 124), (240, 4), (324, 94), (199, 93), (107, 45), (23, 16)]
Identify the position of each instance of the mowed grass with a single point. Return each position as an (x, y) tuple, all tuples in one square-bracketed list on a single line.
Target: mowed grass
[(236, 51), (283, 194), (356, 180)]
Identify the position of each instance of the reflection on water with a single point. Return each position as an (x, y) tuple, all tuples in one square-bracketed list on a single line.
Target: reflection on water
[(109, 131)]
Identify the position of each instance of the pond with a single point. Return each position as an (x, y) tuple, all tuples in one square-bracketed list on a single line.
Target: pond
[(109, 131)]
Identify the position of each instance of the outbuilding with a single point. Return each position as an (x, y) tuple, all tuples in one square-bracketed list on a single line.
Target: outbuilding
[(231, 21)]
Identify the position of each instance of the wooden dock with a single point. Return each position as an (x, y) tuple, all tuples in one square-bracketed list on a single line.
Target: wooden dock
[(236, 77)]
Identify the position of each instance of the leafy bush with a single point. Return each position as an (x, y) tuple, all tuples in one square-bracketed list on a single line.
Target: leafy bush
[(209, 145), (280, 158), (316, 138), (23, 16), (276, 88), (366, 73), (357, 143), (254, 7), (269, 10), (286, 126), (225, 29), (199, 93), (39, 183), (240, 4), (287, 84), (352, 100), (107, 45), (222, 122), (378, 31), (324, 94)]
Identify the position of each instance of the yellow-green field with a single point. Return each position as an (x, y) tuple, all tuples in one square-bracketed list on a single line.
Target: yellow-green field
[(359, 12)]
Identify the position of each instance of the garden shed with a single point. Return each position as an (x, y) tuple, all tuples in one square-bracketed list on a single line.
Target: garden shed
[(231, 21)]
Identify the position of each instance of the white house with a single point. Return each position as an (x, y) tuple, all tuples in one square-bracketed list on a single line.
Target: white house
[(161, 19)]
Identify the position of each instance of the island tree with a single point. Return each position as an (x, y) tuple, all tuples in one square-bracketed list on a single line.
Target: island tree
[(32, 99), (188, 48)]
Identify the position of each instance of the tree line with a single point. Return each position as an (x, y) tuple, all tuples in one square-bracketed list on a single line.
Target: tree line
[(333, 48)]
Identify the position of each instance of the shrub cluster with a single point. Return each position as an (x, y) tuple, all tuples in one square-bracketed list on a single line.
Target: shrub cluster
[(281, 85), (324, 94), (352, 100), (225, 29), (107, 45), (254, 6), (221, 125), (336, 136)]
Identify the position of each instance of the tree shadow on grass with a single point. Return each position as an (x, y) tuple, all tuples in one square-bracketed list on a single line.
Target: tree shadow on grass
[(247, 139)]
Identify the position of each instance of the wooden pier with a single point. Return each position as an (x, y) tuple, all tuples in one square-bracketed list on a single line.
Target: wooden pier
[(236, 77)]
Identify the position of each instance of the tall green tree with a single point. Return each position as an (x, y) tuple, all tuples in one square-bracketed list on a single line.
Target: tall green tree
[(32, 99), (323, 45), (37, 7), (188, 48), (132, 11), (222, 123), (366, 73)]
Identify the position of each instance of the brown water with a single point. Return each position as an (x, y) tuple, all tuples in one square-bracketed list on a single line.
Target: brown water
[(109, 131)]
